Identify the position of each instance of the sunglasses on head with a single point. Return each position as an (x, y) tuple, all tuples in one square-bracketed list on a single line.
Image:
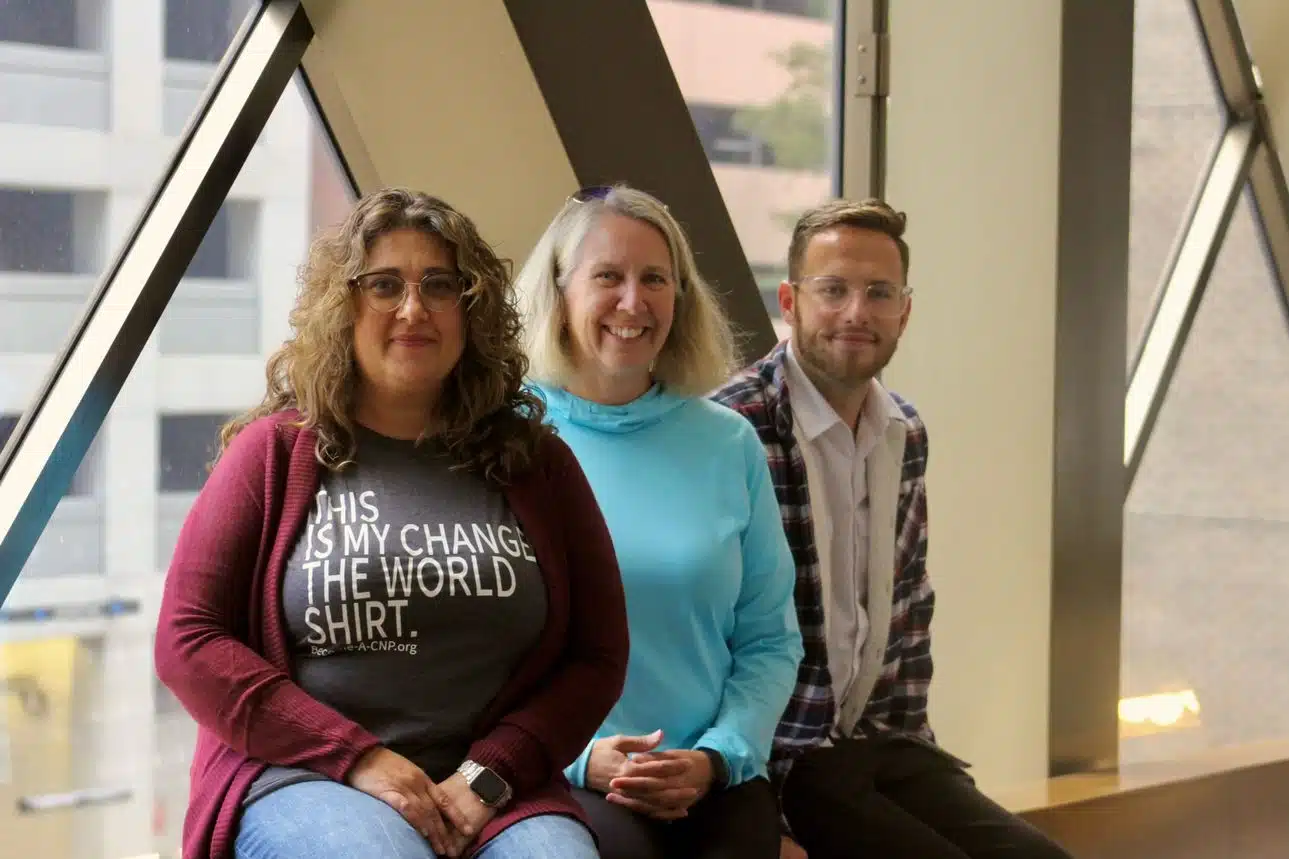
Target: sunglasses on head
[(591, 192)]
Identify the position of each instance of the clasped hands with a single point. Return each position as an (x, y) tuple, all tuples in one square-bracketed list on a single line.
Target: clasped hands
[(448, 814), (661, 785)]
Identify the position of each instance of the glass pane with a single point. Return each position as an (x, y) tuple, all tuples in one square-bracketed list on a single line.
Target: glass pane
[(1206, 540), (220, 328), (85, 650), (762, 105), (1177, 119), (37, 742), (80, 82)]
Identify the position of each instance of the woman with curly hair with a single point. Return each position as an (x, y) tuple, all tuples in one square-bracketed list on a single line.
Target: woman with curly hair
[(394, 610)]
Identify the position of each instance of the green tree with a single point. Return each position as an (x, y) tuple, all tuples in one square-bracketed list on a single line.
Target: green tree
[(795, 123)]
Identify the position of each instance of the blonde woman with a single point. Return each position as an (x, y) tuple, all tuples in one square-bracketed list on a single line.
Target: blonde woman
[(391, 640), (624, 338)]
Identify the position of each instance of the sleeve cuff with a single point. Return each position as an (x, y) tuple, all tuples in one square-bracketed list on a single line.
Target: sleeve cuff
[(720, 768), (741, 764), (357, 744), (576, 771), (514, 755)]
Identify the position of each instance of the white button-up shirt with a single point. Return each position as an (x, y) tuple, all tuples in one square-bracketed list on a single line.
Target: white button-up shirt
[(837, 476)]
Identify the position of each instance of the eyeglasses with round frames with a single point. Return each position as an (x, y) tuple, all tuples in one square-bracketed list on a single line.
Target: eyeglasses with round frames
[(385, 292), (833, 293)]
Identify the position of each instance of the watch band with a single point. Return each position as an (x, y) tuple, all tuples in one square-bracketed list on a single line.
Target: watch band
[(720, 769), (472, 770)]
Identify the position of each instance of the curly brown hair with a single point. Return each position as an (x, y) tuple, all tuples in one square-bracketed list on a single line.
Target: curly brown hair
[(488, 422)]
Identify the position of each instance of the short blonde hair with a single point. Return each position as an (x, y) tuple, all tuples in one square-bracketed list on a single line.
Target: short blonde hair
[(699, 353)]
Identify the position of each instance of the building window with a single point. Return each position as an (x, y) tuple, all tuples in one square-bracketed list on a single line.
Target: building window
[(821, 9), (51, 232), (83, 481), (201, 30), (212, 256), (51, 23), (768, 278), (723, 142), (229, 247), (187, 447), (36, 231)]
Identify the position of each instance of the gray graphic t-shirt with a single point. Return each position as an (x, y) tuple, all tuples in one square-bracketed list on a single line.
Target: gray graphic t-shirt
[(410, 597)]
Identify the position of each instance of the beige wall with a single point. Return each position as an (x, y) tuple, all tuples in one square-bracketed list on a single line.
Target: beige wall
[(492, 113), (973, 160)]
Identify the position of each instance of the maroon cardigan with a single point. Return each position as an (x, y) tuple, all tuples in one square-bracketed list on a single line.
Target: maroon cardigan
[(221, 643)]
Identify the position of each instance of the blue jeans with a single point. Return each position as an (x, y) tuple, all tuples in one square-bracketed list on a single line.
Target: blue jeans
[(326, 820)]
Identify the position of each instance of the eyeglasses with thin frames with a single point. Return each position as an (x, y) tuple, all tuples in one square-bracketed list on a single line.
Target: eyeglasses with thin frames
[(831, 293), (385, 292)]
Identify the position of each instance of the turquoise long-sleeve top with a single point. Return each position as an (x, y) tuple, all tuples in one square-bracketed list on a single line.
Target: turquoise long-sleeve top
[(684, 486)]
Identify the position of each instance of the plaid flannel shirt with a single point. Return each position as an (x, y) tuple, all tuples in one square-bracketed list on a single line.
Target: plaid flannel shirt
[(899, 699)]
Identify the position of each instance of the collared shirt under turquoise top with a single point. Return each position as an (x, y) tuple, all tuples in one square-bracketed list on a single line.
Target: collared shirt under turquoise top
[(685, 489)]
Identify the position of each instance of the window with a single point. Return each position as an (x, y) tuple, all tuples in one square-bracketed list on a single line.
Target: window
[(227, 249), (1176, 122), (265, 233), (50, 246), (822, 9), (37, 230), (186, 446), (725, 144), (85, 479), (216, 309), (39, 22), (762, 106), (200, 30), (768, 278), (53, 72), (71, 192), (1206, 521), (212, 257), (804, 8)]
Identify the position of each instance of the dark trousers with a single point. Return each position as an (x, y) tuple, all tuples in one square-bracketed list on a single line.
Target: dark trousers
[(739, 823), (896, 798)]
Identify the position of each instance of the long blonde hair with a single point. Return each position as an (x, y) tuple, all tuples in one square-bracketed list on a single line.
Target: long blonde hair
[(485, 418), (699, 353)]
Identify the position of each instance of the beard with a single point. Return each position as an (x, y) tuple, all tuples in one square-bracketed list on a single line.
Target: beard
[(843, 368)]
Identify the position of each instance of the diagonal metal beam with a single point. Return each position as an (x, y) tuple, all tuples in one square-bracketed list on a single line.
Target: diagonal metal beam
[(1241, 88), (1178, 301), (628, 121), (47, 446), (1271, 204), (1228, 56)]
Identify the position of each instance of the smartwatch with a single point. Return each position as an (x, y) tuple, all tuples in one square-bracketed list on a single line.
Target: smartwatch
[(491, 788), (720, 769)]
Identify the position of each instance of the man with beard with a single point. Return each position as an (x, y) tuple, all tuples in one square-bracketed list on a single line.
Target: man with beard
[(855, 764)]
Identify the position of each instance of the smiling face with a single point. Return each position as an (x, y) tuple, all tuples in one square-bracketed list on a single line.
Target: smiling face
[(405, 353), (620, 300), (838, 337)]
